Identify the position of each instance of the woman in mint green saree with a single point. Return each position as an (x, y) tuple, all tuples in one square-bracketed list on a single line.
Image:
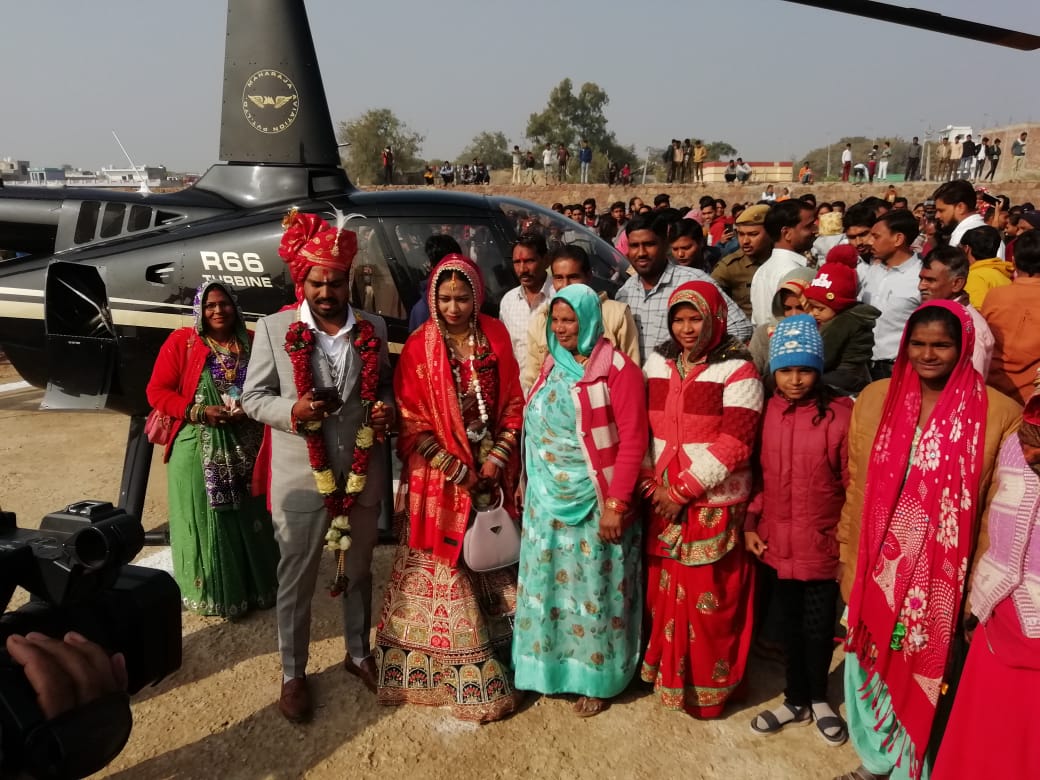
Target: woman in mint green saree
[(579, 604)]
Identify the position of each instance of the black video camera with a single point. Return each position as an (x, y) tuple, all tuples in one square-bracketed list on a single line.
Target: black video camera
[(75, 568)]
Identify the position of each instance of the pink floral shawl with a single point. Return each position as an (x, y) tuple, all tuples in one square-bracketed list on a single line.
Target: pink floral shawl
[(919, 520)]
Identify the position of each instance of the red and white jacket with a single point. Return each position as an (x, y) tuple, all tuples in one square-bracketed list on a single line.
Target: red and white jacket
[(703, 428)]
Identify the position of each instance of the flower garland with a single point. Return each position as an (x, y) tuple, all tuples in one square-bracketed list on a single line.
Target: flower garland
[(300, 342)]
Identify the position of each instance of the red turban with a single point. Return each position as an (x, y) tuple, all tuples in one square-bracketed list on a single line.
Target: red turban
[(309, 241)]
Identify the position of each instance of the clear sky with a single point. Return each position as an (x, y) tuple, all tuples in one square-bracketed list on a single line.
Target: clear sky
[(774, 79)]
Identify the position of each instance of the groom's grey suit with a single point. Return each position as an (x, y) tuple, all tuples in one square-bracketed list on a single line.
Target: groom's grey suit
[(300, 519)]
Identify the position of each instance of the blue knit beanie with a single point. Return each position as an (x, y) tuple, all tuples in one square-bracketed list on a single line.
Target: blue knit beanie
[(796, 342)]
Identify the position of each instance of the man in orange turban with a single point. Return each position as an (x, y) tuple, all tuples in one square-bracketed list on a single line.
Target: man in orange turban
[(320, 378)]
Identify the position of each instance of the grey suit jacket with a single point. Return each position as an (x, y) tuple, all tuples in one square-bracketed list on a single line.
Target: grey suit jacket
[(269, 395)]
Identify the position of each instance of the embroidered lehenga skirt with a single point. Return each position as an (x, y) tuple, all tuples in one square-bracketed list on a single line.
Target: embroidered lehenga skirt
[(444, 637), (699, 596)]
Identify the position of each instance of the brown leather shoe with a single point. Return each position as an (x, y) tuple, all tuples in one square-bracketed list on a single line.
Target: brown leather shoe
[(366, 670), (295, 701)]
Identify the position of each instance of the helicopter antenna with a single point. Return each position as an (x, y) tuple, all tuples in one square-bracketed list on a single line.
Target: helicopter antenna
[(144, 179)]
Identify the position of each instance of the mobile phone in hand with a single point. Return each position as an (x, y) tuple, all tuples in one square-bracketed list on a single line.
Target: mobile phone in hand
[(328, 394)]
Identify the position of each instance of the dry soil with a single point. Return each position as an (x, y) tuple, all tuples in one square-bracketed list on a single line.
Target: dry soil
[(215, 717)]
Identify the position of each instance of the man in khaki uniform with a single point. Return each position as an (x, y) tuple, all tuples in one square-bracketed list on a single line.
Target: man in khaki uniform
[(733, 272), (570, 265)]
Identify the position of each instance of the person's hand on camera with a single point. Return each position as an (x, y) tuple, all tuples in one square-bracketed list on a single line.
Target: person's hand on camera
[(67, 673)]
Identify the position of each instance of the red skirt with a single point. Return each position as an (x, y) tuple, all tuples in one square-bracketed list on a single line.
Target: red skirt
[(991, 732), (700, 625)]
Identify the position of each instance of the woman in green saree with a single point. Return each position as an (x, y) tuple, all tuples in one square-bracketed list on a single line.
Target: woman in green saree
[(224, 552)]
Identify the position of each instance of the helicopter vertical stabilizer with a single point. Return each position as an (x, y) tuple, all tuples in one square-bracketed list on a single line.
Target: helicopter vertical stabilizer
[(274, 109)]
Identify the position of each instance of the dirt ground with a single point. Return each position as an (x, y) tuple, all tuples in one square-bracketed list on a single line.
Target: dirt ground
[(215, 717)]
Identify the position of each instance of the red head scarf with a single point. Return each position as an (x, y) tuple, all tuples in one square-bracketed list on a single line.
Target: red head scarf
[(708, 301), (309, 241), (462, 267), (920, 508)]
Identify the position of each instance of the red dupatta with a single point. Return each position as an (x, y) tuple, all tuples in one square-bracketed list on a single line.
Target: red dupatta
[(427, 402), (919, 522)]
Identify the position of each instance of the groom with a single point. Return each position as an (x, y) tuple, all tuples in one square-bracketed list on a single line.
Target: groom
[(349, 362)]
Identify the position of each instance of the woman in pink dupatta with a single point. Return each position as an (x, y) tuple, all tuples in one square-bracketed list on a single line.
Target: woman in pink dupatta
[(445, 632), (913, 509)]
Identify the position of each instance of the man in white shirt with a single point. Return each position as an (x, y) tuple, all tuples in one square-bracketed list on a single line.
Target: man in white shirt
[(846, 162), (547, 162), (792, 226), (956, 210), (530, 264), (891, 285), (942, 277)]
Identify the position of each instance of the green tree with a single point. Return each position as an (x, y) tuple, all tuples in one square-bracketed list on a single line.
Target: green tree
[(568, 118), (368, 134), (491, 148), (719, 149)]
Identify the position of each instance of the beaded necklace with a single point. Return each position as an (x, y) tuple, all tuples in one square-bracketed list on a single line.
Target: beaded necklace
[(474, 385)]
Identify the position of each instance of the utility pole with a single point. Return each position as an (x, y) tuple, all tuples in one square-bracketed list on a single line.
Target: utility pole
[(646, 162)]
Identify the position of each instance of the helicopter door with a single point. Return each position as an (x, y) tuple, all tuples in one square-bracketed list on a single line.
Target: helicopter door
[(81, 339)]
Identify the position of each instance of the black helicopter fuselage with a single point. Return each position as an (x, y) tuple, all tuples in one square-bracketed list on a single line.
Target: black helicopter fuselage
[(87, 318)]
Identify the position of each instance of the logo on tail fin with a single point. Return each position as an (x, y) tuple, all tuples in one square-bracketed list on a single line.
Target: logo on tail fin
[(270, 101)]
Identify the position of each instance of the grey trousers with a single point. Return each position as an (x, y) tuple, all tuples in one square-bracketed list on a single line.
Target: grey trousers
[(301, 540)]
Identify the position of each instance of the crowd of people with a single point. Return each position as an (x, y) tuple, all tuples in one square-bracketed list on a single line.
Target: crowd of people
[(788, 406), (951, 157), (682, 162)]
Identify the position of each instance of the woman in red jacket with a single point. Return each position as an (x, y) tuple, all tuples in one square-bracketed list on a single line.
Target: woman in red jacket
[(792, 520), (224, 552), (705, 399)]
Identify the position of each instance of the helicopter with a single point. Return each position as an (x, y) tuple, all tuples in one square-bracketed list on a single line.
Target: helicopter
[(101, 277)]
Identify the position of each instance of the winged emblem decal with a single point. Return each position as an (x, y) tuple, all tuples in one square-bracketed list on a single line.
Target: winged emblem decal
[(270, 101), (266, 101)]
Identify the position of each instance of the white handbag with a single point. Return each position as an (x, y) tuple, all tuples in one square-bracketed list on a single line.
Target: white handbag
[(492, 540)]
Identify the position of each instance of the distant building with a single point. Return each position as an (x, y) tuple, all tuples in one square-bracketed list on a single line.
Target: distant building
[(14, 170), (47, 177)]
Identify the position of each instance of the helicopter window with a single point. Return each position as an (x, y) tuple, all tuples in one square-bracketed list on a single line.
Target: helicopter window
[(479, 241), (524, 217), (140, 218), (373, 287), (86, 222), (112, 221)]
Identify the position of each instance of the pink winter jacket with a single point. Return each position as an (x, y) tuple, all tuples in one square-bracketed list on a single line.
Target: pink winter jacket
[(800, 487)]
